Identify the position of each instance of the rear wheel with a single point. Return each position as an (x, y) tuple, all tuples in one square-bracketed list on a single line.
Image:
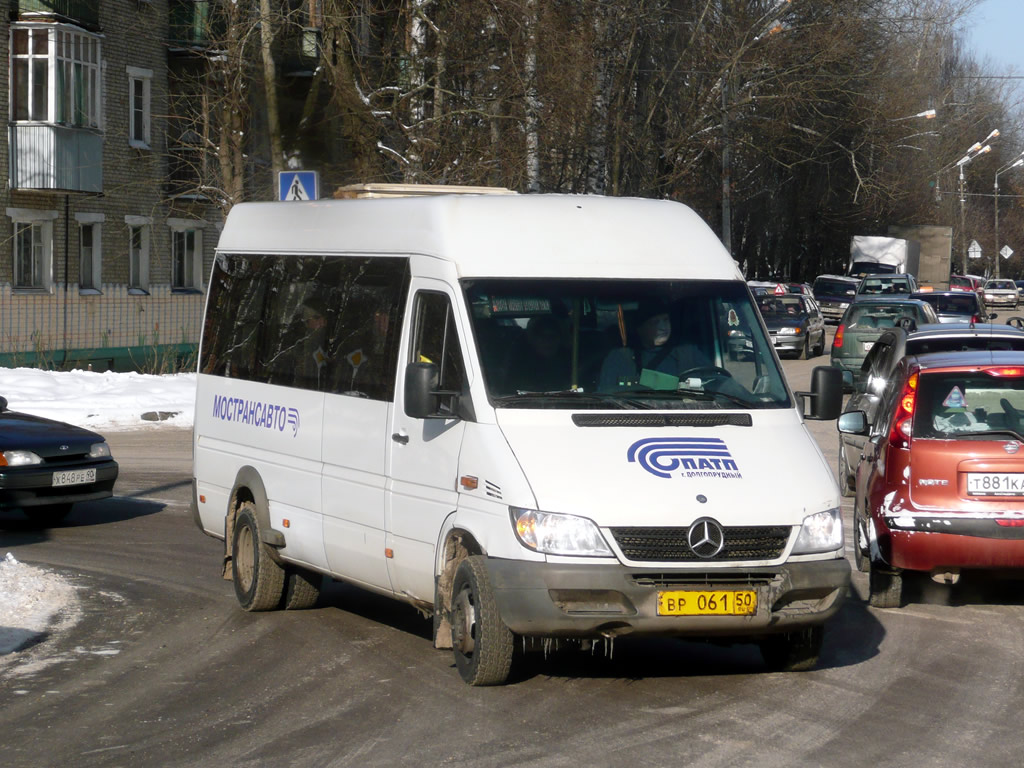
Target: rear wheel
[(885, 587), (821, 344), (793, 651), (301, 589), (259, 581), (482, 643)]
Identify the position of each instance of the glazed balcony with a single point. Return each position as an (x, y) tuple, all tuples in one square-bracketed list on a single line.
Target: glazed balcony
[(83, 12), (48, 156)]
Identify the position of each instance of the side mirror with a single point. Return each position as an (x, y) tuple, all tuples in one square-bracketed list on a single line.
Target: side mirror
[(423, 400), (853, 423), (420, 385), (826, 393)]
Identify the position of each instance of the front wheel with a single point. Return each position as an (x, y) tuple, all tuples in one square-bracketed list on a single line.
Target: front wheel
[(259, 581), (482, 643), (793, 651), (49, 515)]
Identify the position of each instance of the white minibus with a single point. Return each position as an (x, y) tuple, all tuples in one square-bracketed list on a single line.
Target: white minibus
[(529, 416)]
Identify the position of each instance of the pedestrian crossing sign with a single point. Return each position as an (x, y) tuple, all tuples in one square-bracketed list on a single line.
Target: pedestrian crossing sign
[(298, 185)]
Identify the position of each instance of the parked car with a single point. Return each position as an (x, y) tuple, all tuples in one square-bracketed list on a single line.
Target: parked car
[(795, 324), (867, 319), (898, 284), (47, 466), (1000, 293), (888, 350), (834, 294), (941, 486), (966, 283), (955, 306)]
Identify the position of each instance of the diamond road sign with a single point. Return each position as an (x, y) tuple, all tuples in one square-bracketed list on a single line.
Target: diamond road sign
[(1006, 252), (298, 185)]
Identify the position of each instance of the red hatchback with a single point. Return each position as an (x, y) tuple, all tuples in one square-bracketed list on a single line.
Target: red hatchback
[(940, 485)]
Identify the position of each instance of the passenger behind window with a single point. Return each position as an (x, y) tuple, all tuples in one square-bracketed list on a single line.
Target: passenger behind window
[(542, 361), (648, 348)]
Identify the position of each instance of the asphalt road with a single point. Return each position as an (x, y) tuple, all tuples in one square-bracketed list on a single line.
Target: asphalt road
[(165, 669)]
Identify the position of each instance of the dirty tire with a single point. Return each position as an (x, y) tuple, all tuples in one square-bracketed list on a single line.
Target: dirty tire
[(860, 541), (301, 589), (885, 589), (259, 581), (793, 651), (805, 350), (845, 487), (49, 515), (481, 642)]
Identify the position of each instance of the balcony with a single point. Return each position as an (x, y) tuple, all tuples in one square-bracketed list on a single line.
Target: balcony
[(83, 12), (194, 24), (46, 156)]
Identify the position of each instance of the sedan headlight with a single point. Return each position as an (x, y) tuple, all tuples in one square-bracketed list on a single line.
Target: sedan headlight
[(554, 534), (844, 304), (820, 532), (19, 458), (789, 331), (99, 451)]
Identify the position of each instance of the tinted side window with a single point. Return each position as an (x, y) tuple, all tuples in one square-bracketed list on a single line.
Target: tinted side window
[(435, 339), (327, 324)]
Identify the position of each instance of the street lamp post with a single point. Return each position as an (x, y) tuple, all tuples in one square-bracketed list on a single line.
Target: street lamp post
[(975, 150), (1015, 164)]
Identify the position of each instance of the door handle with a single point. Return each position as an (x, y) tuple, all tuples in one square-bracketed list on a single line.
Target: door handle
[(398, 437)]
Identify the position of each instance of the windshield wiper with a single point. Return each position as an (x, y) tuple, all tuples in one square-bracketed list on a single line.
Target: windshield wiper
[(712, 394), (570, 394), (987, 435)]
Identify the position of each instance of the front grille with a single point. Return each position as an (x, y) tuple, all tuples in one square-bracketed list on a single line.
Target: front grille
[(670, 545), (65, 459)]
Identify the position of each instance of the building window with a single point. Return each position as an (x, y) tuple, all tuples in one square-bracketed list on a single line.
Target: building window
[(90, 249), (186, 254), (139, 81), (32, 249), (72, 95), (138, 253)]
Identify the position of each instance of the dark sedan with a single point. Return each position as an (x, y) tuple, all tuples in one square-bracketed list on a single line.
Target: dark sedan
[(47, 466), (795, 324), (956, 306)]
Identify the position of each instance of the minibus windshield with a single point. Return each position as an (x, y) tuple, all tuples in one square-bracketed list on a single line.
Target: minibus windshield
[(622, 344)]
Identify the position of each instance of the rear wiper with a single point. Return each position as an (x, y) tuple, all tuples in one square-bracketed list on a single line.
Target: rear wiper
[(987, 435)]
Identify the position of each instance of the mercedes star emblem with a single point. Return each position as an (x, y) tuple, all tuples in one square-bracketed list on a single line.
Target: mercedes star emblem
[(705, 537)]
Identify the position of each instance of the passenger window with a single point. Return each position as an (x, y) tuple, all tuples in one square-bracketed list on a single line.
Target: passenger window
[(435, 340)]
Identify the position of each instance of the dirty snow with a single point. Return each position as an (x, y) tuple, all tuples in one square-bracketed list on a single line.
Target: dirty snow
[(31, 601)]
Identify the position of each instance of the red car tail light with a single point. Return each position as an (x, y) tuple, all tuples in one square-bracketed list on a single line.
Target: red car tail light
[(1011, 523), (899, 435), (975, 319), (1008, 371), (837, 342)]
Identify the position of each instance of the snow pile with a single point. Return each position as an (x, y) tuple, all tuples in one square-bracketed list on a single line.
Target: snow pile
[(101, 401), (30, 601)]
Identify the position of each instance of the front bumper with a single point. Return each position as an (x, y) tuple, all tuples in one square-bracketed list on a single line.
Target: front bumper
[(598, 600), (1001, 301), (23, 487), (790, 343)]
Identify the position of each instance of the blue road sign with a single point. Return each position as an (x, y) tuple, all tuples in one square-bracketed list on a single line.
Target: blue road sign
[(298, 185)]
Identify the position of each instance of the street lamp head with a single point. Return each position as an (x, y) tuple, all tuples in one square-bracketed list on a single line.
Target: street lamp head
[(993, 135), (928, 114)]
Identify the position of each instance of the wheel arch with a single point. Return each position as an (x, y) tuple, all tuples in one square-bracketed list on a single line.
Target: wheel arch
[(249, 487), (455, 545)]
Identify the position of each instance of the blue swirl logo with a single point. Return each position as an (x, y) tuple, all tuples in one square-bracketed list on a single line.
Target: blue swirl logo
[(689, 456), (293, 420)]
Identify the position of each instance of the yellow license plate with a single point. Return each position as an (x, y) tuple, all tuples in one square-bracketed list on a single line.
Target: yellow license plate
[(718, 602)]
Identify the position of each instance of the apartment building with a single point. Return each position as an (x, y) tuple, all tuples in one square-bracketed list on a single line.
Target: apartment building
[(105, 245)]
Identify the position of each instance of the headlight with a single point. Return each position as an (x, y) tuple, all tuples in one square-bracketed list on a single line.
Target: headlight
[(20, 458), (789, 331), (99, 451), (820, 532), (554, 534), (844, 304)]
